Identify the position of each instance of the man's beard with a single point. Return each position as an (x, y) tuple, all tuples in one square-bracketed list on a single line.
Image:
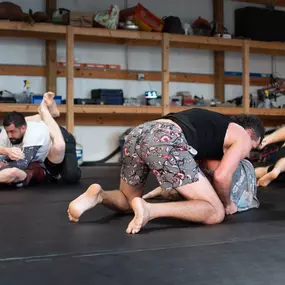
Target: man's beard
[(16, 141)]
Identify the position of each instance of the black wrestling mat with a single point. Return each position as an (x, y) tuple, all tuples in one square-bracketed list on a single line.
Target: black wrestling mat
[(38, 245)]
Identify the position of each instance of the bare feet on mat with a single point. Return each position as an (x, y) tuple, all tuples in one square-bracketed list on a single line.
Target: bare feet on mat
[(49, 99), (85, 202), (267, 178), (141, 210)]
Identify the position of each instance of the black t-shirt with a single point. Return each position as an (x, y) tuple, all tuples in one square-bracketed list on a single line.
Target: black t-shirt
[(204, 130)]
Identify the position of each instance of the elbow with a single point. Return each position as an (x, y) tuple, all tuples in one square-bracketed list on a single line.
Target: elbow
[(220, 177)]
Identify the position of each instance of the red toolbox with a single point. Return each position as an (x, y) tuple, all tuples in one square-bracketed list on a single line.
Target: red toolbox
[(143, 18)]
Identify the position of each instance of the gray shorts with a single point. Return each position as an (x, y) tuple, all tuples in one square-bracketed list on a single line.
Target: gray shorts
[(244, 188), (243, 191), (162, 148)]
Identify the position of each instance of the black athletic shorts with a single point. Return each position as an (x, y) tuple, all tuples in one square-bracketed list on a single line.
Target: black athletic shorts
[(53, 169), (68, 167)]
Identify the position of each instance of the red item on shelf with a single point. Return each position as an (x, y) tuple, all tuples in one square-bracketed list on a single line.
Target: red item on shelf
[(143, 18)]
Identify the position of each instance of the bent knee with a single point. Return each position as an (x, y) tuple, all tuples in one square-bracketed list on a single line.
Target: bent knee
[(59, 147), (217, 216), (13, 172)]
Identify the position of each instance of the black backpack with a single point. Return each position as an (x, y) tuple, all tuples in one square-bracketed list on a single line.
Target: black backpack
[(172, 25)]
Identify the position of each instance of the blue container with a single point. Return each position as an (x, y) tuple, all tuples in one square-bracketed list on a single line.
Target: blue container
[(37, 99)]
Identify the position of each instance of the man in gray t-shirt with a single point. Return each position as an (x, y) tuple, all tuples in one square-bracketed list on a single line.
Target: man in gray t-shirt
[(243, 190)]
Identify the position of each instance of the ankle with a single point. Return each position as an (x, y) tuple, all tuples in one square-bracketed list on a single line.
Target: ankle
[(276, 171), (150, 210)]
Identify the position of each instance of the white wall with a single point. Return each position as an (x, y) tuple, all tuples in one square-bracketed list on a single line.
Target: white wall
[(105, 139)]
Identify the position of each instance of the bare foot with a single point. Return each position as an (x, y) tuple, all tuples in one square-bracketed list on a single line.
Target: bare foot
[(171, 194), (267, 178), (154, 193), (261, 171), (43, 107), (85, 202), (49, 99), (141, 210)]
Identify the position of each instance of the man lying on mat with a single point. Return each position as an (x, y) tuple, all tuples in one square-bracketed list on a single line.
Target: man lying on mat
[(61, 162), (60, 159), (243, 191), (21, 143), (169, 147), (267, 174)]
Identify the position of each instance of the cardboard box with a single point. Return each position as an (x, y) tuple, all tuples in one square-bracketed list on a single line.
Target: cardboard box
[(81, 19)]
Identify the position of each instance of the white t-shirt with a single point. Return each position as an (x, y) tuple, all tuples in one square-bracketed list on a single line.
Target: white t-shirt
[(37, 134)]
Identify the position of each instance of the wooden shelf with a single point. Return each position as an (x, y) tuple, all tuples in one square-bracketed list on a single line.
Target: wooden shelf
[(280, 3), (25, 30), (201, 42), (85, 109), (118, 115), (130, 115), (118, 109), (117, 36), (30, 70), (99, 35), (222, 110), (272, 112), (25, 108)]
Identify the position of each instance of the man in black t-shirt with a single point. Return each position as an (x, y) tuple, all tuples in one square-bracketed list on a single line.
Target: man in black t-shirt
[(169, 147)]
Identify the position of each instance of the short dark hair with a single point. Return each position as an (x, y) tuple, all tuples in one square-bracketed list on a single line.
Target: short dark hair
[(251, 122), (15, 118)]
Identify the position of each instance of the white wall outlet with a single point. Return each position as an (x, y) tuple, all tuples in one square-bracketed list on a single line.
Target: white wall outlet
[(140, 76)]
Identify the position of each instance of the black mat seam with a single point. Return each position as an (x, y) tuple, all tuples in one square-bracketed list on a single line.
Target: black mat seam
[(125, 251), (32, 203)]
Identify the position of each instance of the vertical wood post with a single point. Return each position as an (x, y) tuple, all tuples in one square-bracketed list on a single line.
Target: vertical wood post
[(69, 79), (245, 77), (165, 73)]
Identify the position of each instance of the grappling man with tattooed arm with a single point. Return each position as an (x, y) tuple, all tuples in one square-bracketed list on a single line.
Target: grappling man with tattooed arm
[(21, 143)]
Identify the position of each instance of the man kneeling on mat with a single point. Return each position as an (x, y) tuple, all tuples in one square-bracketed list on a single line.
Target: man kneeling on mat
[(243, 191), (169, 147), (267, 174), (61, 158)]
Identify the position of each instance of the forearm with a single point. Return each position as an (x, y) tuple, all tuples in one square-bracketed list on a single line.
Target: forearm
[(20, 164), (29, 152), (277, 136), (4, 150), (222, 188)]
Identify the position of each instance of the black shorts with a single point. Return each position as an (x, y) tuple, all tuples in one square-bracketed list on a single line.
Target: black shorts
[(53, 169), (68, 169)]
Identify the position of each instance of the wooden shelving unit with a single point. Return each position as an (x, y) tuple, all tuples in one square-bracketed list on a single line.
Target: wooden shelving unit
[(280, 3), (125, 114)]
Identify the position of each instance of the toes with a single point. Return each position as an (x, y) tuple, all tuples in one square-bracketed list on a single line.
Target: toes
[(130, 228), (71, 218), (134, 227), (49, 95)]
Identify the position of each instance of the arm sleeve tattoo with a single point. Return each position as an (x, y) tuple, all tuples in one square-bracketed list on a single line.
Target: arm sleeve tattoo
[(29, 152)]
